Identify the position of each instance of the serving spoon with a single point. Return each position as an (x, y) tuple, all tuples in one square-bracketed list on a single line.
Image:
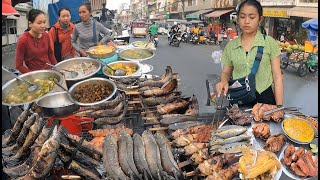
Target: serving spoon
[(117, 72), (31, 88), (74, 74)]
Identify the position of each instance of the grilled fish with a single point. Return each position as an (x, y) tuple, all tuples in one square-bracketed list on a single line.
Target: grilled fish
[(219, 141), (126, 161), (139, 155), (111, 160), (229, 132), (184, 125), (84, 172), (230, 148), (167, 159), (46, 156), (152, 154), (9, 140)]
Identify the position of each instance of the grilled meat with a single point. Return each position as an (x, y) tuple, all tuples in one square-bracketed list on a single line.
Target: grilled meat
[(261, 130), (259, 108), (274, 143), (288, 152), (296, 155), (237, 117)]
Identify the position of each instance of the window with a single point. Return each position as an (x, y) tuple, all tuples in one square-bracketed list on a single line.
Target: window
[(12, 28)]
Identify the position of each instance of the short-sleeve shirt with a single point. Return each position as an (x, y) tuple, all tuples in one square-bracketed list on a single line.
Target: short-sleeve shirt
[(234, 55), (154, 29)]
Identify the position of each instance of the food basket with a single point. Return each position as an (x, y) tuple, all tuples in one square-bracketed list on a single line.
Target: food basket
[(101, 55)]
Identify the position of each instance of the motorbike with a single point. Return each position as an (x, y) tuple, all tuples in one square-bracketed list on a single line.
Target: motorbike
[(202, 39), (155, 40), (184, 37), (194, 39), (210, 40), (176, 39)]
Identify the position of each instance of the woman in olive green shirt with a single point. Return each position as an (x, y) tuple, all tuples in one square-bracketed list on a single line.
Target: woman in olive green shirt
[(239, 55)]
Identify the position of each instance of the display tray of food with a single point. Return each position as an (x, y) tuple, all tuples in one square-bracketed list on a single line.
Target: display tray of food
[(136, 54), (15, 92), (101, 52), (85, 67), (92, 91), (130, 68)]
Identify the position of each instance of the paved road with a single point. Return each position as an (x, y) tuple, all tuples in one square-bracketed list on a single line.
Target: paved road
[(194, 63)]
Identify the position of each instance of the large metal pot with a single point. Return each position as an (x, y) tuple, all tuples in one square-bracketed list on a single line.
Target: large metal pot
[(122, 56), (93, 81), (57, 104), (136, 64), (14, 83), (73, 61)]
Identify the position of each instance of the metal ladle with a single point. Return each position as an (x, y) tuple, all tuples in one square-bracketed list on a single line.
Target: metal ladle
[(74, 74), (31, 88), (117, 72), (57, 83)]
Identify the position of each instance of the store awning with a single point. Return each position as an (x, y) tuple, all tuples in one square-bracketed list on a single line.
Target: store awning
[(276, 12), (218, 13), (197, 14), (307, 12), (7, 9)]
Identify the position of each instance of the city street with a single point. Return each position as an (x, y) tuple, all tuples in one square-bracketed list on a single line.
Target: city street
[(194, 63)]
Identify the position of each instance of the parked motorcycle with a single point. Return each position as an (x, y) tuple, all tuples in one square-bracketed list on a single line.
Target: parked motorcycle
[(194, 39), (176, 39), (210, 40)]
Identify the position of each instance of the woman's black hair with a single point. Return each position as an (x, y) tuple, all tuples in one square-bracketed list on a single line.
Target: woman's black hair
[(32, 15), (88, 6), (61, 9), (257, 5), (254, 3)]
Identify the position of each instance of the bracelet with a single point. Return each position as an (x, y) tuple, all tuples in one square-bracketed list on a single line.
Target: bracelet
[(279, 106)]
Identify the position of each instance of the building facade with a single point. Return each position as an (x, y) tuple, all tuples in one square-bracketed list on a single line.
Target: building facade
[(96, 5)]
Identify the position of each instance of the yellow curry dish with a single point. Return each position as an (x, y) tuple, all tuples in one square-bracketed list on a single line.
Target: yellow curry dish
[(128, 68), (20, 94), (298, 129)]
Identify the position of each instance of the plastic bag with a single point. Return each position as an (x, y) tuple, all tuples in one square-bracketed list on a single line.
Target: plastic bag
[(216, 56)]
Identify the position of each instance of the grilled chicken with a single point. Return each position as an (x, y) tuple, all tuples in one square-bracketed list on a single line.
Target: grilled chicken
[(296, 155), (261, 130), (274, 143), (259, 108)]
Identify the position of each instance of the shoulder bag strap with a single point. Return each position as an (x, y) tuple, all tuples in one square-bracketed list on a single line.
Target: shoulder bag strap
[(94, 31), (257, 59)]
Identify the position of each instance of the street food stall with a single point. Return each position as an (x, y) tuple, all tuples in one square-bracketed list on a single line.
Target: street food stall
[(131, 124)]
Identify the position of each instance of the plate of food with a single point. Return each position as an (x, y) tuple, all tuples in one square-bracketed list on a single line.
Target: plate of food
[(298, 130), (259, 164), (140, 44), (298, 163), (101, 52)]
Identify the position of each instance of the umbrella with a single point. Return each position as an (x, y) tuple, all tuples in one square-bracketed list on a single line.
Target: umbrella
[(311, 24), (7, 9)]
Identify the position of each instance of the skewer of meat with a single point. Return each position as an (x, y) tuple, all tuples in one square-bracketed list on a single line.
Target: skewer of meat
[(111, 160)]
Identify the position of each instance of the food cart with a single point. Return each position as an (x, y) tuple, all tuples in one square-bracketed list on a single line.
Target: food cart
[(305, 58)]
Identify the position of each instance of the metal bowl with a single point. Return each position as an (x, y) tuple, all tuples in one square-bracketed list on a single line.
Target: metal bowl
[(92, 81), (101, 56), (137, 73), (73, 61), (8, 86), (135, 44), (57, 104), (131, 59), (294, 140)]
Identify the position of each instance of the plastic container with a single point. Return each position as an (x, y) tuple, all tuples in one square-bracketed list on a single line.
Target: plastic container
[(72, 123)]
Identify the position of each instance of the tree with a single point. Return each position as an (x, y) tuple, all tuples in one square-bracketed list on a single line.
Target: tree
[(183, 5)]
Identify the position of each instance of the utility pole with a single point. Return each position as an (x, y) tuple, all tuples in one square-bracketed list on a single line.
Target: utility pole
[(183, 5)]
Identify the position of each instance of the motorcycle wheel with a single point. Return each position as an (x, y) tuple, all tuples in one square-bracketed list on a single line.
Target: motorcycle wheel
[(313, 69), (303, 69), (284, 64), (177, 43)]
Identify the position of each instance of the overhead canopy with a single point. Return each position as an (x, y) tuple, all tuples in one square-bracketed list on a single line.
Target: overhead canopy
[(197, 14), (311, 24), (218, 13), (308, 12), (7, 9)]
